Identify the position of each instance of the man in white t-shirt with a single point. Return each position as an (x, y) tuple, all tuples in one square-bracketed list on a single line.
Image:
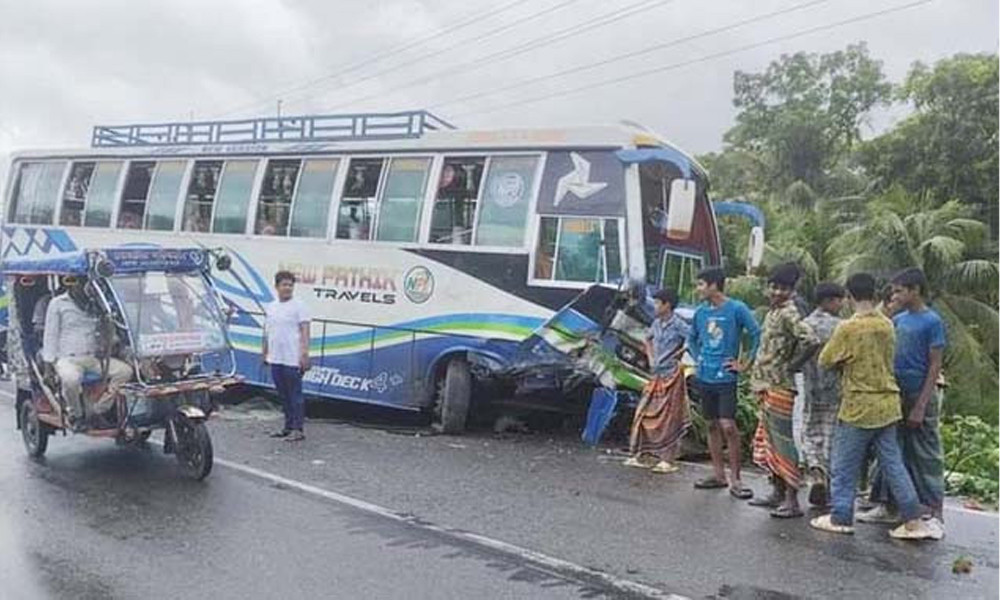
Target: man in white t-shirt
[(286, 349)]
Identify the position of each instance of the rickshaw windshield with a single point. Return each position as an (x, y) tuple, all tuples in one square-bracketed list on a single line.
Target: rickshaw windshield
[(170, 313)]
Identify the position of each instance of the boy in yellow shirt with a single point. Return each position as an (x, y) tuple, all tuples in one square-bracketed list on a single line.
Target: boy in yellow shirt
[(862, 348)]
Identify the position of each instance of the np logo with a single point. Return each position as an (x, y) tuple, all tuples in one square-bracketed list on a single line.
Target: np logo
[(418, 284)]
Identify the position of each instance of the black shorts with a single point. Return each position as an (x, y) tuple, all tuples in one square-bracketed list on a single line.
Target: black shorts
[(718, 400)]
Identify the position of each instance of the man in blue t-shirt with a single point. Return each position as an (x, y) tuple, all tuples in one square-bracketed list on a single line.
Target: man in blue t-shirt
[(718, 326), (920, 343)]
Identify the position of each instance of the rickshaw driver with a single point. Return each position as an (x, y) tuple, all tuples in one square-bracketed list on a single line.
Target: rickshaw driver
[(69, 347)]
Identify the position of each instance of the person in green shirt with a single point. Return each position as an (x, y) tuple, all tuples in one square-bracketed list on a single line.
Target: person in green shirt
[(786, 343), (862, 349)]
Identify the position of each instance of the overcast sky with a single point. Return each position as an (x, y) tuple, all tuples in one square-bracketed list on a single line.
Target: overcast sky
[(66, 65)]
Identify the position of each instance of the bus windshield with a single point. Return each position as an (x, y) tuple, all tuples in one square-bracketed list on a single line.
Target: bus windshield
[(170, 313)]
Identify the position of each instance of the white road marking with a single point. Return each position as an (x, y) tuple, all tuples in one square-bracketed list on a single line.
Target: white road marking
[(556, 566)]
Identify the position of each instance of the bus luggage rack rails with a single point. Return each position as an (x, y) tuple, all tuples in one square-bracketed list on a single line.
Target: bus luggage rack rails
[(315, 128)]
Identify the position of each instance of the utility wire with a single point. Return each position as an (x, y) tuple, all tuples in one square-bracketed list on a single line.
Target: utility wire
[(545, 40), (472, 19), (433, 53), (634, 53), (700, 59)]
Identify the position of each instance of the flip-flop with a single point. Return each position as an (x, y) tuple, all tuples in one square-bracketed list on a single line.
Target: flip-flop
[(665, 467), (709, 483), (784, 512), (740, 493)]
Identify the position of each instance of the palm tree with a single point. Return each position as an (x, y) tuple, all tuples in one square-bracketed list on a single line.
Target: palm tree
[(953, 250)]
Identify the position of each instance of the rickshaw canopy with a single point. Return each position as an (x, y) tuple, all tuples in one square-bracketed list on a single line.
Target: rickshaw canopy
[(122, 261)]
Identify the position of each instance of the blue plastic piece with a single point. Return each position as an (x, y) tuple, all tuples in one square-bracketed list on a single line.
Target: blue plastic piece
[(603, 403)]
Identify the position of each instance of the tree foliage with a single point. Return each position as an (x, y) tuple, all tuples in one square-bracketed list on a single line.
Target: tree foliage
[(923, 193), (805, 111), (947, 149)]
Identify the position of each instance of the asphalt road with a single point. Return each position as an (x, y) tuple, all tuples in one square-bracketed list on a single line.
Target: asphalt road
[(362, 512)]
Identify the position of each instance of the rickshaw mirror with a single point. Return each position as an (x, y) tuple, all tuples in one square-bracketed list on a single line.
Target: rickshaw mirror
[(104, 268), (224, 262)]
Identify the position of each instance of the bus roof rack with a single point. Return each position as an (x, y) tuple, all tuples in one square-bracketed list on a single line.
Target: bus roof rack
[(315, 128)]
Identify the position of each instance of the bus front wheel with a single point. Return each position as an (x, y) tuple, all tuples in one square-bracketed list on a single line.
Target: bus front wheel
[(454, 396)]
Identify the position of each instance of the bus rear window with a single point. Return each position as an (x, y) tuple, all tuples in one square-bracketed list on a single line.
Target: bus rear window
[(578, 250), (36, 190)]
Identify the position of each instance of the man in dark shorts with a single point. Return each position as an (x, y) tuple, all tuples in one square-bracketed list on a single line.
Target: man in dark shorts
[(714, 342)]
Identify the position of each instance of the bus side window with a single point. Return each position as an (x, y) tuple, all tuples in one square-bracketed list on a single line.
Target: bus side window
[(507, 194), (275, 203), (100, 197), (36, 191), (133, 205), (311, 209), (454, 212), (75, 195), (163, 195), (232, 202), (578, 249), (401, 200), (201, 195), (354, 221)]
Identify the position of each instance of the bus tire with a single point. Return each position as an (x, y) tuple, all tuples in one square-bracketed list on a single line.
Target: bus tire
[(454, 396)]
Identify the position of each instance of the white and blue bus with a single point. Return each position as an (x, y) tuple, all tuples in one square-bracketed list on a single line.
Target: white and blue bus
[(415, 245)]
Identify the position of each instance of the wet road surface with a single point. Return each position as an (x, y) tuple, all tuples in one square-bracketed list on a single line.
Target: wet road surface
[(96, 521)]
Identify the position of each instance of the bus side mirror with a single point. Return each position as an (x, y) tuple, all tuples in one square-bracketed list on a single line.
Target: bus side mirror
[(680, 214)]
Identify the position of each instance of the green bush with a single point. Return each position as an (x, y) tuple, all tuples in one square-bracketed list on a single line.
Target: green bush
[(972, 457)]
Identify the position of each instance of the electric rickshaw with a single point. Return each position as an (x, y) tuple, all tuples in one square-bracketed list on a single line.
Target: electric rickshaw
[(153, 309)]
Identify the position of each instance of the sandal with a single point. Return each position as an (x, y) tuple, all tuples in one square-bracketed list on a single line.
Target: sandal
[(786, 512), (740, 492), (665, 467), (709, 483), (825, 523)]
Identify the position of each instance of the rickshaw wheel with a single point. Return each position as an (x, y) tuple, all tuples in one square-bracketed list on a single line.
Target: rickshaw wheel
[(194, 448), (34, 432)]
